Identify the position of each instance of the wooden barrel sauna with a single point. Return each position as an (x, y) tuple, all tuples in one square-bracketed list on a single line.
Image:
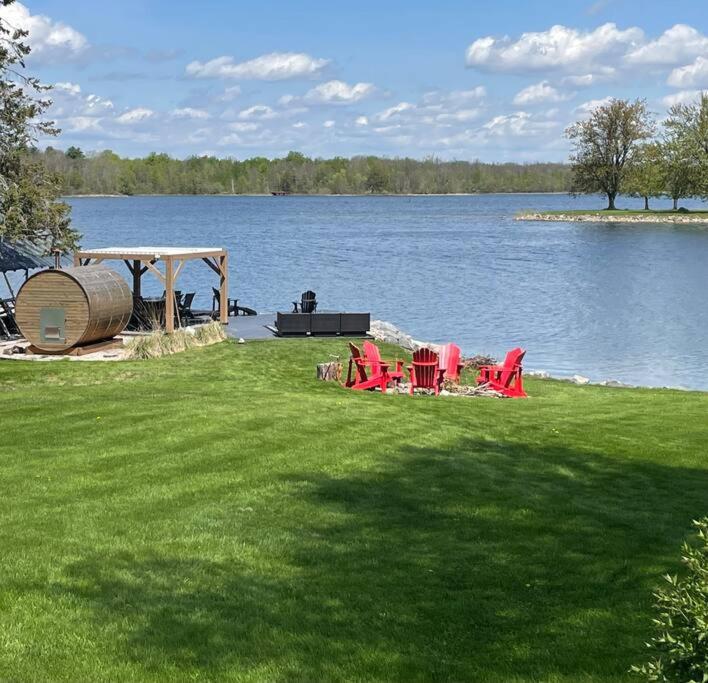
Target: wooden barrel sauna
[(57, 310)]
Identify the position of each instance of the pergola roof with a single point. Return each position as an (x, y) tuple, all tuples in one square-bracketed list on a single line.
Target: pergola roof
[(22, 256), (152, 253), (141, 259)]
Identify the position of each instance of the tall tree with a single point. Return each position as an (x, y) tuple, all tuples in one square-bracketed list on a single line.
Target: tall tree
[(28, 192), (604, 145), (686, 132), (646, 177)]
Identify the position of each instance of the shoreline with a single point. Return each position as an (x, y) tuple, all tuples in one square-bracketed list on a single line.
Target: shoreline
[(297, 194), (599, 217), (388, 333)]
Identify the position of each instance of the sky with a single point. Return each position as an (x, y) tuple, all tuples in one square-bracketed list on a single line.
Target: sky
[(493, 80)]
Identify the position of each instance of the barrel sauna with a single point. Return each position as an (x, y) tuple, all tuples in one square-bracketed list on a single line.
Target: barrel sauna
[(57, 310)]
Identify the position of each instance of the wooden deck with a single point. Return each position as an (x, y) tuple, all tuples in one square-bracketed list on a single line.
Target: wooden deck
[(252, 327)]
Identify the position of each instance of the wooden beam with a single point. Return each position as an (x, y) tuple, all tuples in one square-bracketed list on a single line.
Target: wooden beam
[(169, 295), (130, 266), (77, 259), (224, 289), (150, 265), (179, 268), (214, 266)]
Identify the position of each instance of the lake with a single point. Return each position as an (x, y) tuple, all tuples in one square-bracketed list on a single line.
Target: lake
[(620, 301)]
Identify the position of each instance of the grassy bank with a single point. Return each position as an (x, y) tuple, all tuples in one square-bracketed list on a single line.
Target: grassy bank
[(628, 212), (221, 515), (618, 215)]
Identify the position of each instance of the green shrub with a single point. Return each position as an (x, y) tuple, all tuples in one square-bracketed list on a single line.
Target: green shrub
[(680, 648)]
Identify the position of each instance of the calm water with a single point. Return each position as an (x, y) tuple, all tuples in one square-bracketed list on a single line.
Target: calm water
[(604, 300)]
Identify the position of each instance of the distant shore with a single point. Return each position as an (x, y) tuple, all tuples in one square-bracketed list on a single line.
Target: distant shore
[(312, 194), (616, 216)]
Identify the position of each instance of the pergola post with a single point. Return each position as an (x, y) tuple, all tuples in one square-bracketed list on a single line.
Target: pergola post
[(169, 296), (137, 275), (77, 260), (224, 289)]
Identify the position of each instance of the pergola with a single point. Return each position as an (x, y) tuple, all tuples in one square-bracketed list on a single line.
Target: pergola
[(141, 259)]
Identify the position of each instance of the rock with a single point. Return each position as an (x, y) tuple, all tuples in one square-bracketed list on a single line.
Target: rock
[(579, 379), (241, 340), (538, 374), (613, 383)]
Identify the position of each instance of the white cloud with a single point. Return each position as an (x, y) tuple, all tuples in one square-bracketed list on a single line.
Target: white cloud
[(540, 93), (50, 40), (299, 124), (72, 88), (190, 113), (394, 111), (589, 106), (681, 97), (230, 93), (243, 127), (258, 111), (517, 124), (337, 92), (329, 123), (135, 116), (587, 80), (460, 116), (677, 44), (275, 66), (691, 75), (560, 47), (81, 124), (455, 97), (362, 121)]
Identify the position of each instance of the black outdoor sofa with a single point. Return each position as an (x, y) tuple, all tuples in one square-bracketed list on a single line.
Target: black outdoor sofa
[(323, 324)]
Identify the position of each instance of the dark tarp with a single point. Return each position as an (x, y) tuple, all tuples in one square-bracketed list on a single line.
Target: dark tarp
[(23, 256)]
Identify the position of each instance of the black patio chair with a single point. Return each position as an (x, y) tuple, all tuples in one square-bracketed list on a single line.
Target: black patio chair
[(232, 304), (185, 307), (307, 304), (8, 324)]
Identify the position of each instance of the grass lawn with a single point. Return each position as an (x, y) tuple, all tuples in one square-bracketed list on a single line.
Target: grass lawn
[(222, 516)]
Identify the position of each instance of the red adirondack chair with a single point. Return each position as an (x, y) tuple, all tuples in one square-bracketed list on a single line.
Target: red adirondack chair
[(360, 375), (505, 378), (372, 353), (425, 371), (450, 362)]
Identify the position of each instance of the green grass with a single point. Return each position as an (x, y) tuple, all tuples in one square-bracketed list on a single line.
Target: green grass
[(624, 212), (220, 515)]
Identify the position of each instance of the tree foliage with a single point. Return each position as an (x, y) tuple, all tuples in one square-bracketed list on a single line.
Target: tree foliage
[(28, 192), (604, 146), (107, 173), (646, 177), (680, 647)]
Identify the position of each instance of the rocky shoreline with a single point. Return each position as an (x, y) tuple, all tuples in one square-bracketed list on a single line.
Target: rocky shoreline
[(388, 333), (612, 218)]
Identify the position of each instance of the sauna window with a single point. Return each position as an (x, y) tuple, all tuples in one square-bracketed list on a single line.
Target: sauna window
[(52, 324)]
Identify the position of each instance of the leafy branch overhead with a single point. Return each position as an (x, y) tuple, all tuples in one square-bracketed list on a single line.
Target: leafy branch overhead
[(29, 209)]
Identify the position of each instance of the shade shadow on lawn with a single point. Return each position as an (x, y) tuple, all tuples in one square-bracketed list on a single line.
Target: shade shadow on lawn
[(484, 561)]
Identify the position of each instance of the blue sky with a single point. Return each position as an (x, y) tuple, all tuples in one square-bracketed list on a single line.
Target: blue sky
[(498, 81)]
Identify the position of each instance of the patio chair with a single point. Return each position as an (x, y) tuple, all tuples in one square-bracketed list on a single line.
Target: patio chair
[(372, 354), (425, 371), (307, 304), (185, 307), (450, 362), (231, 304), (361, 376), (8, 324), (507, 377)]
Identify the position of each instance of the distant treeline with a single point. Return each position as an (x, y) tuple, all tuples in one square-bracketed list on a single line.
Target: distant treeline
[(108, 173)]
